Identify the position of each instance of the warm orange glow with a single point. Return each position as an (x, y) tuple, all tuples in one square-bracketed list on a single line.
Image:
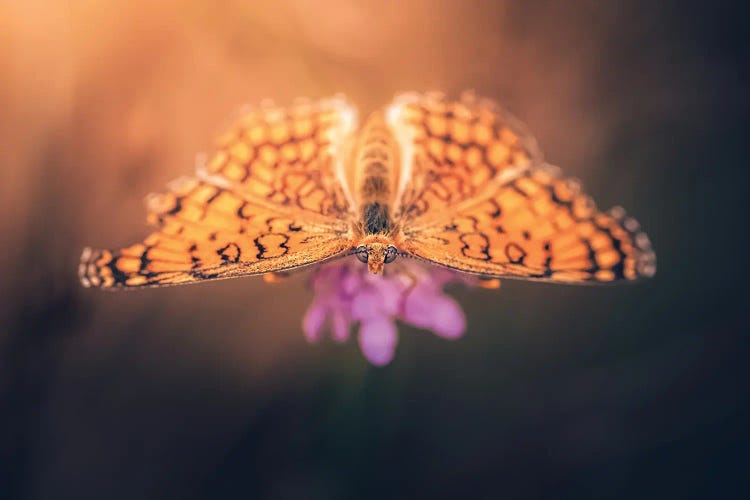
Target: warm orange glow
[(103, 102)]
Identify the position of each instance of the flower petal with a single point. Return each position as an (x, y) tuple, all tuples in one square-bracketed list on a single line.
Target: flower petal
[(377, 339), (448, 319), (390, 291), (420, 306), (367, 304), (340, 326), (350, 282), (314, 319), (346, 293)]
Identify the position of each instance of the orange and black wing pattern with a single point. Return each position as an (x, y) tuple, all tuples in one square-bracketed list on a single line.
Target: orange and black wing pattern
[(454, 151), (270, 199), (288, 158), (478, 198), (537, 226)]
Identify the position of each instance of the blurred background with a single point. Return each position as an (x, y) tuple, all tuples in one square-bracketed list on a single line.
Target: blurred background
[(211, 391)]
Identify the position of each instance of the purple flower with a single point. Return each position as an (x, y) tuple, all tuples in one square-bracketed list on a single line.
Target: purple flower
[(347, 295)]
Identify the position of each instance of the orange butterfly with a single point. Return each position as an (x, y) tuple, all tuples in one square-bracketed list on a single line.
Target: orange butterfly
[(459, 184)]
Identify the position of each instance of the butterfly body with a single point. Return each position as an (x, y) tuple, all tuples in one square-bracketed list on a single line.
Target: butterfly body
[(376, 169), (459, 184)]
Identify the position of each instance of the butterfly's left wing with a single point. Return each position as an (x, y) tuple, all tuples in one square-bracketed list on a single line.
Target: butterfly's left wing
[(270, 198), (537, 226), (288, 158), (206, 232)]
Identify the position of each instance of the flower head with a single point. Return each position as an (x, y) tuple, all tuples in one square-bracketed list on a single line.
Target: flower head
[(347, 295)]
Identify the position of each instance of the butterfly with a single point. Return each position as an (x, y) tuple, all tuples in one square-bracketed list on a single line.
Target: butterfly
[(456, 183)]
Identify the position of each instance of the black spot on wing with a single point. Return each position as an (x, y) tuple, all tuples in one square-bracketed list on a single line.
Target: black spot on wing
[(229, 253), (515, 253), (473, 249), (176, 208), (266, 242), (118, 276)]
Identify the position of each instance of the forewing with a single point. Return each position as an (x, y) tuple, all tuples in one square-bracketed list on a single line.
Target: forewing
[(288, 158), (537, 226), (207, 232), (454, 151)]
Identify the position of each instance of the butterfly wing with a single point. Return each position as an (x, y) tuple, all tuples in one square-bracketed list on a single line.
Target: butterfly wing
[(477, 197), (537, 226), (288, 158), (270, 199), (454, 151)]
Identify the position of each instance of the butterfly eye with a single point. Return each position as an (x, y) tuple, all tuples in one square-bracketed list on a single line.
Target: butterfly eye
[(390, 254), (362, 254)]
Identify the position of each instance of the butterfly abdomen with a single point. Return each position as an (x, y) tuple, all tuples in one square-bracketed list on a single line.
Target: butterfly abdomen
[(376, 168)]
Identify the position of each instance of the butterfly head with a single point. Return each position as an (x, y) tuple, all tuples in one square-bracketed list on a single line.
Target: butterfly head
[(376, 254)]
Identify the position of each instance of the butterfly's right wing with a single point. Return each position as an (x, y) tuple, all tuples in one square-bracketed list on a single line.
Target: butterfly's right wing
[(539, 226), (477, 197), (454, 152)]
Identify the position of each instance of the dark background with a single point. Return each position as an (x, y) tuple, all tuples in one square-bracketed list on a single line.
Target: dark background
[(211, 391)]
